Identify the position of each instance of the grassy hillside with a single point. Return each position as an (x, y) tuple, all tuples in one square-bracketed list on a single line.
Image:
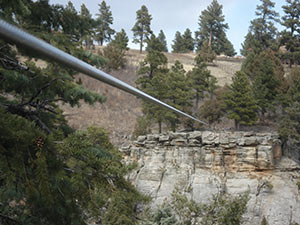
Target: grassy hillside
[(119, 113)]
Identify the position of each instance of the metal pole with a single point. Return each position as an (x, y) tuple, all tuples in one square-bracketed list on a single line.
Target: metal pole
[(15, 35)]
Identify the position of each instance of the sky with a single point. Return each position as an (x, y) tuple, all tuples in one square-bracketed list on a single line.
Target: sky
[(177, 15)]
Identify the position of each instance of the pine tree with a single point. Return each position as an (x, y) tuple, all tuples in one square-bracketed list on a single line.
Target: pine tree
[(155, 60), (206, 53), (103, 23), (262, 32), (212, 28), (162, 38), (121, 40), (179, 94), (153, 81), (199, 78), (49, 173), (178, 43), (213, 109), (86, 26), (188, 41), (154, 44), (268, 81), (115, 56), (240, 102), (14, 11), (228, 48), (156, 87), (70, 22), (141, 29), (289, 126), (115, 52), (290, 36)]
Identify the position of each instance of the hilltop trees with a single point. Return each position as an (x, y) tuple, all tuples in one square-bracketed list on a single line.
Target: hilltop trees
[(212, 29), (290, 37), (115, 51), (183, 43), (178, 43), (188, 41), (70, 21), (206, 53), (155, 60), (162, 38), (141, 29), (121, 40), (103, 23), (262, 32), (155, 44), (86, 26)]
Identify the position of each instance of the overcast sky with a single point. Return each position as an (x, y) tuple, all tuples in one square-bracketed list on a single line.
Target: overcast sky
[(177, 15)]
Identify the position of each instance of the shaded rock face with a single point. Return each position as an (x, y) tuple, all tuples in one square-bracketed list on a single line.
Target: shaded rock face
[(205, 163)]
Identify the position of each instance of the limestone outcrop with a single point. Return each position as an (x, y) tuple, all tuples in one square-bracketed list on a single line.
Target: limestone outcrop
[(205, 163)]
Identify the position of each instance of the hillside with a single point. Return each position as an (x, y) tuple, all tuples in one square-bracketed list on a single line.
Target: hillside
[(118, 114)]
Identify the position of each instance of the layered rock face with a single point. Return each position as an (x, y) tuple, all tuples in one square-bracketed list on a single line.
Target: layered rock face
[(205, 163)]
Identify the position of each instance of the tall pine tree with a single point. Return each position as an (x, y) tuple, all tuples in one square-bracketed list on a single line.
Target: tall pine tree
[(141, 30), (121, 40), (289, 125), (290, 37), (162, 38), (70, 22), (177, 45), (212, 28), (178, 94), (268, 81), (200, 79), (188, 41), (262, 32), (86, 26), (103, 22), (240, 102)]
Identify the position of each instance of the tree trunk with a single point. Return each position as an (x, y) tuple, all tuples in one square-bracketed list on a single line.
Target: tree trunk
[(173, 127), (159, 126), (210, 39), (197, 100), (237, 125), (141, 44)]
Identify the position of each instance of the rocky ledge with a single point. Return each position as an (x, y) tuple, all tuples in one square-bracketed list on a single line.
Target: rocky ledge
[(205, 163)]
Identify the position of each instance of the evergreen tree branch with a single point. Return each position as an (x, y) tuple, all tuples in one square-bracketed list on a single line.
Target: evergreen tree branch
[(41, 124), (47, 85), (8, 220)]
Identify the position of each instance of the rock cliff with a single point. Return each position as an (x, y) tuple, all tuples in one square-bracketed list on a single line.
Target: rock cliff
[(205, 163)]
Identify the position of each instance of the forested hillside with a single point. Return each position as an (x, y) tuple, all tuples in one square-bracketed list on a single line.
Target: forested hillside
[(57, 169)]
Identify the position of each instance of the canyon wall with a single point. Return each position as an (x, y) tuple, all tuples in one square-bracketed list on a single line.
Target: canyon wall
[(205, 163)]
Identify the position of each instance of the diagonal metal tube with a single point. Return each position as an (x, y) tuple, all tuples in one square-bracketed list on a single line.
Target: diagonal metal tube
[(15, 35)]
